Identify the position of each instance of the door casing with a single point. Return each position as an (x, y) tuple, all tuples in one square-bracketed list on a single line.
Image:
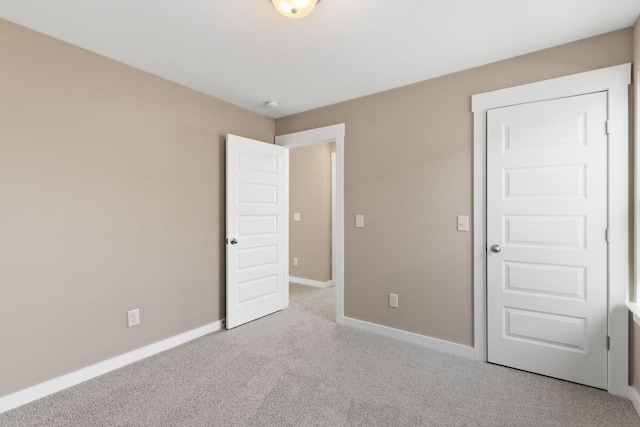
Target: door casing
[(615, 81)]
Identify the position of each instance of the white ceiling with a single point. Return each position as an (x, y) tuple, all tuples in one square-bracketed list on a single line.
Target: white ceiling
[(244, 52)]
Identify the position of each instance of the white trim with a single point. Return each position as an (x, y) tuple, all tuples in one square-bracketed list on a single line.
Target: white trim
[(422, 340), (55, 385), (615, 80), (635, 310), (635, 291), (311, 282), (576, 84), (285, 251), (333, 213), (318, 136), (634, 397), (312, 136)]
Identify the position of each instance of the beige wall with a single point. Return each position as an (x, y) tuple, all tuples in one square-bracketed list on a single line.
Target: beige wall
[(111, 189), (408, 169), (310, 195)]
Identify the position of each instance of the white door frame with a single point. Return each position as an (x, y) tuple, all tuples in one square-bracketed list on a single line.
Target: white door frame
[(318, 136), (333, 216), (615, 80)]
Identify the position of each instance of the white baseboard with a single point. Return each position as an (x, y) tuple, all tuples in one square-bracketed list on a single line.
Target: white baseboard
[(423, 340), (46, 388), (310, 282), (634, 396)]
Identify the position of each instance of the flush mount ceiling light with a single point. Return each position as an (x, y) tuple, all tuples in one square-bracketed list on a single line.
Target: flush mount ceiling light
[(295, 8)]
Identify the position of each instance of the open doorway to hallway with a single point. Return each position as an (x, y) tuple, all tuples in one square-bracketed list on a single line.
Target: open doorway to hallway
[(311, 218), (332, 133)]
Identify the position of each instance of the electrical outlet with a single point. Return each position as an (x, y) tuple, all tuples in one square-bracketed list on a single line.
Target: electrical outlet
[(295, 260), (393, 300), (133, 317)]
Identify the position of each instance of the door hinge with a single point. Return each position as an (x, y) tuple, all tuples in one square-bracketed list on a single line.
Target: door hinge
[(606, 235), (608, 343), (606, 127)]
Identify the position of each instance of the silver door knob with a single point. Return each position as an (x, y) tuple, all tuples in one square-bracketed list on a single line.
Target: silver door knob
[(496, 249), (234, 241)]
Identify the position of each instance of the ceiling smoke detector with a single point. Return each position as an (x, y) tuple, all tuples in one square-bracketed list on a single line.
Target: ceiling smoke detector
[(273, 104)]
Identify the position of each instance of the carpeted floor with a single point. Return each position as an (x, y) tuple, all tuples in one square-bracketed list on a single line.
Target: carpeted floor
[(297, 368)]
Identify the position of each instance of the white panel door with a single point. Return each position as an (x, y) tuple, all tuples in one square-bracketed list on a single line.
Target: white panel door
[(256, 229), (546, 234)]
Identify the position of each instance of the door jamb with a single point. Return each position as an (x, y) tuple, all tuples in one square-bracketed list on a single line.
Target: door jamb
[(333, 216), (317, 136), (615, 81)]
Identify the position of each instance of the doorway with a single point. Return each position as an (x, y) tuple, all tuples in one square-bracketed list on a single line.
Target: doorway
[(328, 134), (310, 214), (311, 208)]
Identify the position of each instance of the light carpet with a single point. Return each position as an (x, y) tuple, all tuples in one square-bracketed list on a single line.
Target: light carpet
[(297, 368)]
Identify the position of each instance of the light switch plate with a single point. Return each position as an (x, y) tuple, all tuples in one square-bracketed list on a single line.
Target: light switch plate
[(359, 221), (296, 216), (393, 300), (463, 223)]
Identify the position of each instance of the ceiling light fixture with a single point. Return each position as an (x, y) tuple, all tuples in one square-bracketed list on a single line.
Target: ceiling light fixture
[(294, 8)]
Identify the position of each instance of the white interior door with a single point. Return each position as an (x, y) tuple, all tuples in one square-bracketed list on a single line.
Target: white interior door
[(546, 234), (256, 229)]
